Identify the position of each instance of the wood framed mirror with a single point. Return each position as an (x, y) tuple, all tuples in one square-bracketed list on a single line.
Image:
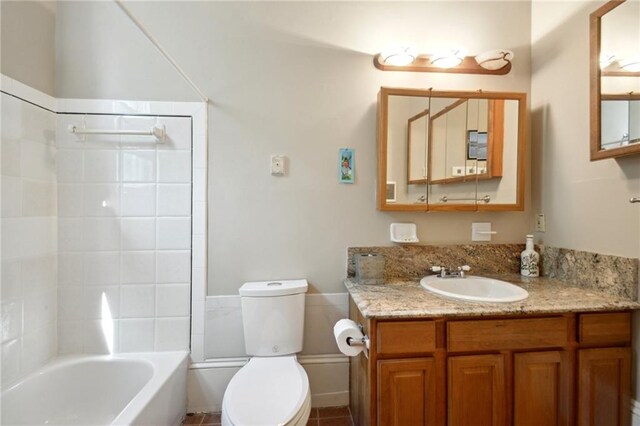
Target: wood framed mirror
[(450, 150), (615, 80)]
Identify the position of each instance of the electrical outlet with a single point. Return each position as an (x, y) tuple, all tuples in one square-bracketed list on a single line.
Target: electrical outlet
[(277, 165), (457, 171), (540, 223)]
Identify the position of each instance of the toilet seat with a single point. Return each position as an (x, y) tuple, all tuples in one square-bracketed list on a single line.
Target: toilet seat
[(268, 391)]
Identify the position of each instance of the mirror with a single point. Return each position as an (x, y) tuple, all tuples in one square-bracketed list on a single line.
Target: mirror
[(615, 80), (447, 151)]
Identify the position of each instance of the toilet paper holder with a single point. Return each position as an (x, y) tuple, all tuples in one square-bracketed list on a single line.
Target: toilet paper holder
[(363, 341)]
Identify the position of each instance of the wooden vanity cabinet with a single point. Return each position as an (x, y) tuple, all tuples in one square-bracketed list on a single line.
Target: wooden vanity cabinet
[(562, 369)]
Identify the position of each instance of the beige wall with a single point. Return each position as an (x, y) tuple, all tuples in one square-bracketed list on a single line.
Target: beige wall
[(294, 79), (586, 203), (27, 33)]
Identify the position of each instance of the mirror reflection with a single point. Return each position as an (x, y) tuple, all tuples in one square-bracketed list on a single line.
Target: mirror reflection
[(451, 150), (619, 64)]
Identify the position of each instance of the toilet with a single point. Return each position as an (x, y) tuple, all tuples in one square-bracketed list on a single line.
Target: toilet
[(272, 388)]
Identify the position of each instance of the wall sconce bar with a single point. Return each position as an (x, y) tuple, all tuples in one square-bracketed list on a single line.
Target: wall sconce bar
[(469, 65)]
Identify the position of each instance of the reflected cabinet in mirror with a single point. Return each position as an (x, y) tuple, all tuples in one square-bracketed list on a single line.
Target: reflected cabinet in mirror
[(615, 80), (450, 151)]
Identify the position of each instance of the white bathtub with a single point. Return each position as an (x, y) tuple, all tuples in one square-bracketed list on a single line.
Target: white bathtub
[(123, 389)]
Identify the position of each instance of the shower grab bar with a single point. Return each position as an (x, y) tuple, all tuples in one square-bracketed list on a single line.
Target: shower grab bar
[(445, 199), (158, 132)]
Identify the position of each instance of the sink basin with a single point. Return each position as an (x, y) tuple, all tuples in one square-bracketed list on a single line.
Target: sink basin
[(474, 289)]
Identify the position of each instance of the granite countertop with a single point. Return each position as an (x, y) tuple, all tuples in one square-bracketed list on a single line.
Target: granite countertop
[(407, 299)]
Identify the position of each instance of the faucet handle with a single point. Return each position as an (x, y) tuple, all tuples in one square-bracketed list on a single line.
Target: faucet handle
[(436, 268), (465, 268)]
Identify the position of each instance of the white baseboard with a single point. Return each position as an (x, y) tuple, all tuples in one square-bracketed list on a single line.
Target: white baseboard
[(328, 379)]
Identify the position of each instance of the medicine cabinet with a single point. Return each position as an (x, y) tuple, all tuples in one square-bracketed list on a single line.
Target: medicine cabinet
[(450, 151)]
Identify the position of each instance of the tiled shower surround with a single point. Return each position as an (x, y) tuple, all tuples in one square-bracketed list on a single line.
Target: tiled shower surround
[(29, 244), (124, 229)]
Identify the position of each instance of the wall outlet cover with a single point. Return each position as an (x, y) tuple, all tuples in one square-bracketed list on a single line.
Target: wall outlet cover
[(277, 165), (541, 225)]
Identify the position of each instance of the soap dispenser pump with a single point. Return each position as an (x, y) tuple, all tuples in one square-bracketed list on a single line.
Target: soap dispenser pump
[(529, 260)]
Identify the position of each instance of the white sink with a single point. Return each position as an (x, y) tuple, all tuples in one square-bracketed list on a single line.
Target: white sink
[(474, 289)]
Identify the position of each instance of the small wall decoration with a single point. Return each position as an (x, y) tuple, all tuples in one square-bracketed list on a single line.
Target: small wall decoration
[(346, 167)]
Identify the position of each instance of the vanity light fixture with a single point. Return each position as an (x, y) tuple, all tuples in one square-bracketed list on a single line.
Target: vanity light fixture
[(494, 59), (494, 62), (606, 59), (630, 65), (398, 56), (448, 58)]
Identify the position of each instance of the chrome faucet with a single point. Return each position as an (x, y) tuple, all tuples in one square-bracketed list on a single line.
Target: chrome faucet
[(443, 272)]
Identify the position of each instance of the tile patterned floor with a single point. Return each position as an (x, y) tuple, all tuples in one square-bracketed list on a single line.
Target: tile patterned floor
[(328, 416)]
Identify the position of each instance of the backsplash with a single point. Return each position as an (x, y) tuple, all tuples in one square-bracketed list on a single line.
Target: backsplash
[(415, 261), (611, 274)]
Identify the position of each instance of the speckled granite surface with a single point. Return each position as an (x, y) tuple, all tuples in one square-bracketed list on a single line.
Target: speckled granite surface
[(414, 261), (404, 299), (612, 274)]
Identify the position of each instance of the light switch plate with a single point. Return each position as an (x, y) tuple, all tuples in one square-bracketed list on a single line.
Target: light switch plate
[(277, 165), (541, 225)]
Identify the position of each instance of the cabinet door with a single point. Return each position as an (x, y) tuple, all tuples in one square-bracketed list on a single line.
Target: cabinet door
[(603, 386), (541, 389), (406, 392), (476, 390)]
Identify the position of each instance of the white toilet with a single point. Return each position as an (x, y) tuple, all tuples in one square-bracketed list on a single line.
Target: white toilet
[(272, 388)]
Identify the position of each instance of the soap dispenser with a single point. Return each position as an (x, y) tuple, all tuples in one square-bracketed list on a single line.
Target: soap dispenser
[(529, 260)]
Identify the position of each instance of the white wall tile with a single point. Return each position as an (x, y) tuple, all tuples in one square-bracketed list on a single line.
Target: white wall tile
[(178, 134), (69, 165), (137, 335), (172, 300), (70, 200), (138, 166), (38, 198), (101, 234), (38, 161), (172, 334), (174, 200), (174, 166), (101, 200), (11, 281), (173, 233), (39, 274), (38, 347), (137, 301), (101, 268), (101, 166), (11, 156), (138, 200), (10, 360), (11, 324), (70, 234), (102, 302), (11, 196), (173, 266), (39, 311), (70, 269), (138, 233), (100, 336), (70, 337), (71, 303), (138, 267)]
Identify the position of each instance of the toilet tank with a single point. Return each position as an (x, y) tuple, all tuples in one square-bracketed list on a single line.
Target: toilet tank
[(273, 316)]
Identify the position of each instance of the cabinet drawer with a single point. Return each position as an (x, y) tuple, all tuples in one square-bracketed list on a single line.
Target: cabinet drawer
[(406, 337), (605, 328), (483, 335)]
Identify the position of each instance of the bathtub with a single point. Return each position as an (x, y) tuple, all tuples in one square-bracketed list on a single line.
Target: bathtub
[(123, 389)]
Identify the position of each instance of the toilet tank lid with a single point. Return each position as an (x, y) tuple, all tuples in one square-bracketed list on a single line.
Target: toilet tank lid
[(273, 288)]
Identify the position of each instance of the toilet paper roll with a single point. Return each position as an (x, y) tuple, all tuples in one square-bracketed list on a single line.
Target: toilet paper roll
[(344, 329)]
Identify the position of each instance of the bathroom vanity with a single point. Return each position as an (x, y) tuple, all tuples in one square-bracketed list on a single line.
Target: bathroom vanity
[(560, 357)]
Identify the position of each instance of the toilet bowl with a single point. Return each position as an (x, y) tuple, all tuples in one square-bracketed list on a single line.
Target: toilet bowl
[(268, 391), (272, 388)]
